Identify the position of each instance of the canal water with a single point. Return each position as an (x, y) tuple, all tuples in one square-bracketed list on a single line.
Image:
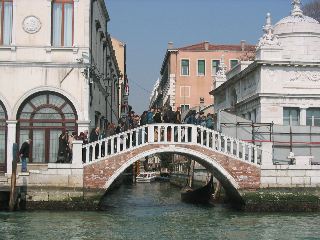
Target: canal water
[(154, 211)]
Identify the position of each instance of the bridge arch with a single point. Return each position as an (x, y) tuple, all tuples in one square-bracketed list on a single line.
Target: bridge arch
[(234, 174)]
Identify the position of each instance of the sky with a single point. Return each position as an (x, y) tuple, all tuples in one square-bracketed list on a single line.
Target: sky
[(146, 27)]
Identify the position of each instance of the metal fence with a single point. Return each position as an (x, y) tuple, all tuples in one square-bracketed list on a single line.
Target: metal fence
[(301, 140)]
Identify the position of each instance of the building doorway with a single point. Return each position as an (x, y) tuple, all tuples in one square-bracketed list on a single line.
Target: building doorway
[(43, 117), (3, 138)]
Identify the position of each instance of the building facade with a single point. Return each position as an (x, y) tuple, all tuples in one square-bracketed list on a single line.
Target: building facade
[(188, 73), (120, 49), (57, 69), (282, 84)]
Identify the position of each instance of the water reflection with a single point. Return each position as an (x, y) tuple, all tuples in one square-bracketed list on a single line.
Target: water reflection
[(154, 211)]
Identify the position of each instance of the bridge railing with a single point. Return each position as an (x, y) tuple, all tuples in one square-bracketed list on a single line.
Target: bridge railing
[(169, 134)]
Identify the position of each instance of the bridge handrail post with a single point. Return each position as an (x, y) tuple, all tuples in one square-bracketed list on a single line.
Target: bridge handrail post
[(179, 134), (237, 148), (250, 153), (76, 153), (225, 138), (194, 134), (255, 152), (112, 145), (243, 151), (231, 146), (150, 133), (131, 139)]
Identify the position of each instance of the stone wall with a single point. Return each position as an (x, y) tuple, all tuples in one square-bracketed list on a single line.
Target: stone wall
[(277, 176)]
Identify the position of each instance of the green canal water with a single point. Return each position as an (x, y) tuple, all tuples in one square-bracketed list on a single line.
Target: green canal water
[(154, 211)]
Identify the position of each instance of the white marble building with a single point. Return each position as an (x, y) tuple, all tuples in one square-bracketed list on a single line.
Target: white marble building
[(282, 85), (58, 70)]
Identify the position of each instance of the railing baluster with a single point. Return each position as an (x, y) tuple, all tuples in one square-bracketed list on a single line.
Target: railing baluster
[(225, 144), (186, 134), (87, 160), (237, 149), (165, 134), (231, 146), (249, 153), (213, 140), (207, 139), (93, 152), (219, 142), (179, 134), (131, 139), (255, 155), (99, 149), (112, 146), (243, 151), (201, 136)]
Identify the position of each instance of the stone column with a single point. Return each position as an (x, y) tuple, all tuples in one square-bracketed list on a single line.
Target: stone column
[(303, 116), (11, 139), (267, 155), (83, 126), (77, 154)]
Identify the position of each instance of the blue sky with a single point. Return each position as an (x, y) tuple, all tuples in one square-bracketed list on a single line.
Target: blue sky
[(146, 26)]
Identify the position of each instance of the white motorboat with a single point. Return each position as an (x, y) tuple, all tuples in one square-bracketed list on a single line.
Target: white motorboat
[(146, 177)]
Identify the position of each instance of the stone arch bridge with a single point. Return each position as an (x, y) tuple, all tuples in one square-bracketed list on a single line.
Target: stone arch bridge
[(235, 163)]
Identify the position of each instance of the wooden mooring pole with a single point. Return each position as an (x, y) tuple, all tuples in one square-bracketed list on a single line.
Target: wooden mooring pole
[(13, 177)]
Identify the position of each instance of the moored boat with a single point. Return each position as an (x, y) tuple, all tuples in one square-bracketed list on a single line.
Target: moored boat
[(146, 177), (199, 195)]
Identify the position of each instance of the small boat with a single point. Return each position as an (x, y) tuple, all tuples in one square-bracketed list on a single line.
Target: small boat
[(200, 195), (146, 177)]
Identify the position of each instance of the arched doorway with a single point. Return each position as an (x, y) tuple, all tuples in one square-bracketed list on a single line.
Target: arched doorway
[(3, 137), (42, 117)]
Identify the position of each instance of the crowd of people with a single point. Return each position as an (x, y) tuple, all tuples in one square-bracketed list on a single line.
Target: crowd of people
[(153, 115)]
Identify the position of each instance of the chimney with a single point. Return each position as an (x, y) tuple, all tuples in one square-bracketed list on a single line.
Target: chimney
[(243, 45), (206, 45), (170, 45)]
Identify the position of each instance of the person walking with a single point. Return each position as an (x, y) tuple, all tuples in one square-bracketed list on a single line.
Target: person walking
[(24, 154)]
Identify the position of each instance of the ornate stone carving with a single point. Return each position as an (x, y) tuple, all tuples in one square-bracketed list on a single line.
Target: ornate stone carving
[(305, 76), (31, 24), (269, 38), (297, 15)]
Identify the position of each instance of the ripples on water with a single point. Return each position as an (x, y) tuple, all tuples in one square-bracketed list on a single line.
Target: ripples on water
[(154, 211)]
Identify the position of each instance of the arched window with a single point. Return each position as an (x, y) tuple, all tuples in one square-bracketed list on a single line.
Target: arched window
[(43, 117), (3, 132)]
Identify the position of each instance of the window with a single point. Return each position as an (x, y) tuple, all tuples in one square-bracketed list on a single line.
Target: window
[(233, 63), (5, 22), (184, 108), (185, 67), (215, 66), (291, 116), (313, 117), (62, 23), (43, 117), (201, 67)]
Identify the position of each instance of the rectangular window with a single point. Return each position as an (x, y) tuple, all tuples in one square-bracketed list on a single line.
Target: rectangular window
[(201, 67), (291, 116), (62, 23), (185, 67), (233, 63), (5, 22), (313, 117), (215, 66), (184, 108)]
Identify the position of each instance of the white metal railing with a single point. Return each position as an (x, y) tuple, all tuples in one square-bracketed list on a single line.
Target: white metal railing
[(169, 134)]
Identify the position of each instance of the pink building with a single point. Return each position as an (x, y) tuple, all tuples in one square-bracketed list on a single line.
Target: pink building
[(187, 73)]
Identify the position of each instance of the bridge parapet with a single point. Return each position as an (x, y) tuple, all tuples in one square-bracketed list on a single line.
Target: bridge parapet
[(170, 134)]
